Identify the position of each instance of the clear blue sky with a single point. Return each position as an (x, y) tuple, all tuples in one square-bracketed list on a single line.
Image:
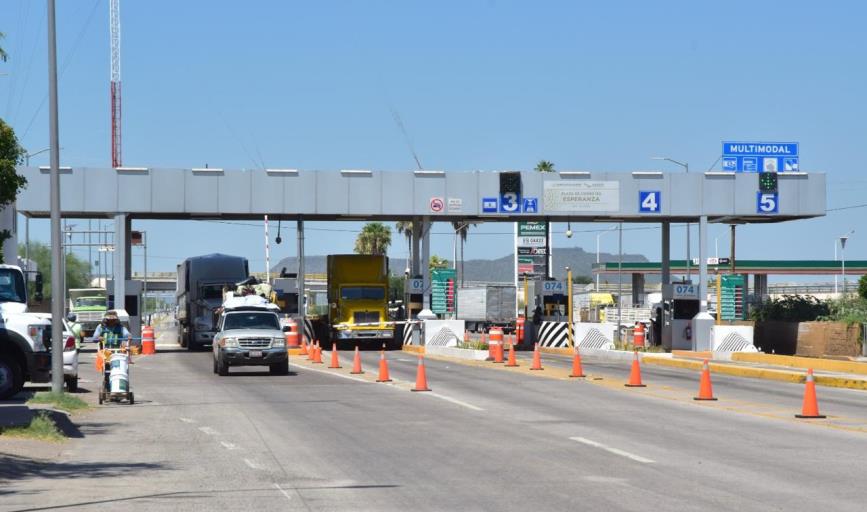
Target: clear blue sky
[(478, 85)]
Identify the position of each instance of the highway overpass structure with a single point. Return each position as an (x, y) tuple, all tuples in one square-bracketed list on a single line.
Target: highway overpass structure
[(128, 193)]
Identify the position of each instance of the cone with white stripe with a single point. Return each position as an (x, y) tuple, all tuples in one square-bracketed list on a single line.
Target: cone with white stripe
[(810, 408)]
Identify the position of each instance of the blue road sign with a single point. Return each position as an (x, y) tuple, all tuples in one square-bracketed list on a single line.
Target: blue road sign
[(510, 202), (767, 202), (760, 156), (489, 204), (531, 205), (649, 201)]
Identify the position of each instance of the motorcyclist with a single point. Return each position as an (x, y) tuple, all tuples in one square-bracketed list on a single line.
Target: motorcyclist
[(110, 332)]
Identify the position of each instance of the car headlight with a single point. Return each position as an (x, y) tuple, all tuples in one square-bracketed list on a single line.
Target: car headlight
[(278, 342), (229, 342)]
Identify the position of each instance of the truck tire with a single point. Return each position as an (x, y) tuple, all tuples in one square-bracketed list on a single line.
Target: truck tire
[(11, 377), (222, 368)]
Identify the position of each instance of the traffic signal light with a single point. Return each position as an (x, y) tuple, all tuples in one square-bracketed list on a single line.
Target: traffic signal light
[(768, 182)]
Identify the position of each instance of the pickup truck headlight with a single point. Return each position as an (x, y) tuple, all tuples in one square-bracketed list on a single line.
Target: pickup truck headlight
[(278, 342), (229, 342)]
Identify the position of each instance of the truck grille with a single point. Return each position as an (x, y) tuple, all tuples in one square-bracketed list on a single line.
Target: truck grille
[(366, 317), (254, 342), (89, 316)]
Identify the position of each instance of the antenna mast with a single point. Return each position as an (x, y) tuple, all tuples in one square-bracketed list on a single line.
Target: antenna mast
[(114, 28)]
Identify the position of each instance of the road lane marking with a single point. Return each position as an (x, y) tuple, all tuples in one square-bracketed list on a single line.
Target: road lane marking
[(229, 446), (616, 451), (187, 420), (455, 401), (254, 465), (288, 497), (208, 430), (335, 374)]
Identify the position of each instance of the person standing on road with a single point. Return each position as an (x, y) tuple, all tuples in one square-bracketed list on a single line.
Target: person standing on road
[(111, 329)]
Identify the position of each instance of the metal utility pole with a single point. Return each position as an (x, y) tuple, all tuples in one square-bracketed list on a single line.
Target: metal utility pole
[(619, 279), (843, 240), (56, 235), (685, 166), (114, 35)]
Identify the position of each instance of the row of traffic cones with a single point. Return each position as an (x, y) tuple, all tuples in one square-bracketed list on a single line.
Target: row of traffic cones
[(314, 355), (809, 409)]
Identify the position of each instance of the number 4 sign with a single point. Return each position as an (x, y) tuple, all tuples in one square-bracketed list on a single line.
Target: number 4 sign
[(649, 201)]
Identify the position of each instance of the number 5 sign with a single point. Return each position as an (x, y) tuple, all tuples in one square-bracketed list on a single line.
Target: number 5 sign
[(767, 202), (649, 201)]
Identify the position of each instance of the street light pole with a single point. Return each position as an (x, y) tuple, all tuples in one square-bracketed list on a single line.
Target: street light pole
[(843, 240), (56, 235), (685, 166)]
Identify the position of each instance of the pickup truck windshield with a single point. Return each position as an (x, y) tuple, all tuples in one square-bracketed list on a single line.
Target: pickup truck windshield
[(90, 302), (11, 286), (362, 292), (251, 320)]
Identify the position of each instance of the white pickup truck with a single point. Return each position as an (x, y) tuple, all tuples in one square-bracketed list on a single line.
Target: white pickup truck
[(25, 338)]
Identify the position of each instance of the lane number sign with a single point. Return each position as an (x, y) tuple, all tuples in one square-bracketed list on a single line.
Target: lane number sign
[(649, 201), (415, 285), (510, 202), (553, 287), (767, 202)]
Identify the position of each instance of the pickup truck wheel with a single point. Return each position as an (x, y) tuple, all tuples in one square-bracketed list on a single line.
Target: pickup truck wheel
[(11, 377), (72, 384), (215, 364), (222, 368), (280, 368)]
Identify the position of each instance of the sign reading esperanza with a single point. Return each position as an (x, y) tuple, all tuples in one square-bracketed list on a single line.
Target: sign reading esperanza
[(582, 196)]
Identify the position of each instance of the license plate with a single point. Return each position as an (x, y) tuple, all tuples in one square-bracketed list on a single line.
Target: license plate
[(255, 353)]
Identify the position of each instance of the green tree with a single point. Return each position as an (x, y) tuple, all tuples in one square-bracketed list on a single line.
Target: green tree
[(3, 55), (437, 262), (545, 166), (375, 237), (396, 286), (11, 154), (862, 287), (461, 229), (77, 269), (582, 279), (404, 227)]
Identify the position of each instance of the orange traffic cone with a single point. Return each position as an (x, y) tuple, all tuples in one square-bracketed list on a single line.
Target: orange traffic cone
[(383, 368), (304, 349), (317, 354), (512, 362), (577, 370), (498, 353), (420, 377), (635, 374), (705, 390), (356, 363), (335, 361), (537, 359), (810, 409)]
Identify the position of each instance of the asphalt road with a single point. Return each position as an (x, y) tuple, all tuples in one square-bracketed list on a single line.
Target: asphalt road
[(484, 439)]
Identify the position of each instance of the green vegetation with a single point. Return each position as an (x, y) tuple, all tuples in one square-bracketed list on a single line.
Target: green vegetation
[(473, 345), (11, 154), (791, 308), (374, 238), (582, 279), (41, 427), (850, 310), (437, 262), (862, 287), (77, 269), (545, 166), (396, 286), (62, 401)]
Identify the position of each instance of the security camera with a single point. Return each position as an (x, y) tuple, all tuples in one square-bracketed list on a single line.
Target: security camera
[(569, 233), (278, 239)]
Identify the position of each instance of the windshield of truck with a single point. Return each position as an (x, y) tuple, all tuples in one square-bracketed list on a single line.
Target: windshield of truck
[(252, 320), (11, 286), (212, 291), (362, 292), (90, 302)]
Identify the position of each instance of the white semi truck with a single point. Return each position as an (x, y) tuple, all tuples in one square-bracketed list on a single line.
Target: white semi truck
[(25, 338)]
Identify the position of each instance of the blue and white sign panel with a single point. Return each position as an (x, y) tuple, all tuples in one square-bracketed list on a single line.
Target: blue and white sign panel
[(489, 204), (649, 201), (767, 202), (531, 205), (760, 157)]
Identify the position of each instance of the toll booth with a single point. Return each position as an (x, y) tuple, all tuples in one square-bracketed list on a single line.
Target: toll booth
[(680, 305)]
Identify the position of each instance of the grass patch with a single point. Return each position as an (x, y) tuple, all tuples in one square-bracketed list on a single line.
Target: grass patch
[(473, 345), (62, 401), (41, 427)]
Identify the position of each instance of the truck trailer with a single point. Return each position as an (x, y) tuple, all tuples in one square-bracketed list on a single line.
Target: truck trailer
[(483, 307), (201, 282)]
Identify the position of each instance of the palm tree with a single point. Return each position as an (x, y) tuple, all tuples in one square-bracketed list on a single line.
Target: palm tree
[(545, 166), (437, 262), (374, 238), (461, 229), (3, 55), (404, 227)]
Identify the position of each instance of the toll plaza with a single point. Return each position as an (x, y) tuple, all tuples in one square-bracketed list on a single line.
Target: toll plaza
[(425, 197)]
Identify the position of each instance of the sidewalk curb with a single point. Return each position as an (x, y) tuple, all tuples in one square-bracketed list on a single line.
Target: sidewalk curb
[(829, 365), (761, 373)]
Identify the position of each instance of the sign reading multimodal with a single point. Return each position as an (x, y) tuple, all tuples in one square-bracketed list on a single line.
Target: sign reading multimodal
[(760, 157), (582, 196), (531, 250)]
